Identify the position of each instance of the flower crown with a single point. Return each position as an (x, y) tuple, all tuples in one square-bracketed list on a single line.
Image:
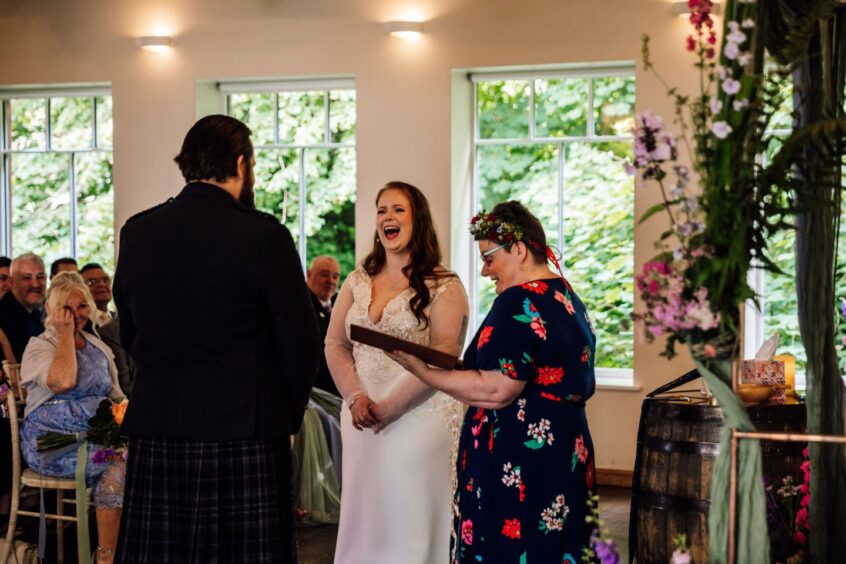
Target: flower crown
[(488, 226)]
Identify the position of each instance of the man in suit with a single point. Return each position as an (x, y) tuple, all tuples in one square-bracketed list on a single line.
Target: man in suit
[(65, 264), (5, 264), (100, 285), (224, 369), (322, 278), (22, 307)]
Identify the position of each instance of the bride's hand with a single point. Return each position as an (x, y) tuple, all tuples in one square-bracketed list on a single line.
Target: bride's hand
[(409, 362), (361, 411), (385, 414)]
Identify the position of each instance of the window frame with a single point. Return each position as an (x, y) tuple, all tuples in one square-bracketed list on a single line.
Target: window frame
[(607, 378), (92, 92), (326, 85)]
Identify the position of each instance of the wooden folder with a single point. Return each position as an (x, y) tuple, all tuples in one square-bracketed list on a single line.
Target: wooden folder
[(390, 343)]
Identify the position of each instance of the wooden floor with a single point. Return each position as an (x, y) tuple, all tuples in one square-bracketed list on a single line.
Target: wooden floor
[(317, 544)]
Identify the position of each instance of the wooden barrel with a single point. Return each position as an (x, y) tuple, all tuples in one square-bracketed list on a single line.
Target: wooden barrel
[(677, 447)]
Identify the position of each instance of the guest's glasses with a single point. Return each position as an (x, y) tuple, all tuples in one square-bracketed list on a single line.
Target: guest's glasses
[(94, 281)]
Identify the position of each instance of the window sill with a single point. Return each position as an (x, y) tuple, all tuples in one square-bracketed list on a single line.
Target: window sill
[(616, 379)]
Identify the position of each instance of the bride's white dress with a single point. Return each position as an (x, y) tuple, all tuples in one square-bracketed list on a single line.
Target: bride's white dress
[(397, 492)]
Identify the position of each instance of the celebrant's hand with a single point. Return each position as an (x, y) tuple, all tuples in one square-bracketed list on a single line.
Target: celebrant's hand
[(409, 362), (362, 415), (63, 321)]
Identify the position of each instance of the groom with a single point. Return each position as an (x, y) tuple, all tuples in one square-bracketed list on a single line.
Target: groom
[(225, 362)]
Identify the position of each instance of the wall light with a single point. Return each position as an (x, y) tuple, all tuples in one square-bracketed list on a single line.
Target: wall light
[(683, 8), (157, 43), (403, 29)]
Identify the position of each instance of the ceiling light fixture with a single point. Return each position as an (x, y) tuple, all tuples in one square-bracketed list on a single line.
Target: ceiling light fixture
[(403, 29), (156, 43)]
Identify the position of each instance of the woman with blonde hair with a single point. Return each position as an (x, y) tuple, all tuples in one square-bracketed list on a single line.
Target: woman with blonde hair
[(67, 372)]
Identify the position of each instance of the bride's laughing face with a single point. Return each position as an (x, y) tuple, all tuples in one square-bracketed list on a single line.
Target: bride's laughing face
[(394, 224)]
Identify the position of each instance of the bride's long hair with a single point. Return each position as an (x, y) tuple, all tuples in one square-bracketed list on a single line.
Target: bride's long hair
[(423, 247)]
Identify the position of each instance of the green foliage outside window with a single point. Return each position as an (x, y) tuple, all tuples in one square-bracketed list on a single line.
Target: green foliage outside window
[(44, 178), (588, 142), (298, 151)]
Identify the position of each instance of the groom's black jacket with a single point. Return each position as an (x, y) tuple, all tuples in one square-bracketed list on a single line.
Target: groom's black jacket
[(214, 309)]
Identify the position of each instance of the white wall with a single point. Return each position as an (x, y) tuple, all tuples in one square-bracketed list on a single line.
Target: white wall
[(403, 91)]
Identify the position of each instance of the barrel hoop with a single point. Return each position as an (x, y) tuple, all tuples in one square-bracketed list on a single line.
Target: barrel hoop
[(647, 499), (685, 447)]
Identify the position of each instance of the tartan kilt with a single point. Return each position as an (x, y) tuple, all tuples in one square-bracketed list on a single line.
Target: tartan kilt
[(192, 501)]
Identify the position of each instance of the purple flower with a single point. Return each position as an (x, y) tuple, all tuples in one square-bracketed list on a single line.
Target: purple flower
[(843, 307), (606, 551), (731, 86), (721, 129), (731, 51), (103, 455), (744, 58)]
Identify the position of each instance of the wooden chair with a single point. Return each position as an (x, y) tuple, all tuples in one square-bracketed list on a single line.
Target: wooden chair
[(28, 478), (13, 373)]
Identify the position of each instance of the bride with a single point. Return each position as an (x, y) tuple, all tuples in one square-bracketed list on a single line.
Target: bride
[(397, 433)]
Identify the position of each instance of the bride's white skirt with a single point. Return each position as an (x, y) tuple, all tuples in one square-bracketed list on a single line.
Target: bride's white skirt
[(397, 492)]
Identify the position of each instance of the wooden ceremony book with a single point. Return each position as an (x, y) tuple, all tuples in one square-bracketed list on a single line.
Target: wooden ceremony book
[(390, 343)]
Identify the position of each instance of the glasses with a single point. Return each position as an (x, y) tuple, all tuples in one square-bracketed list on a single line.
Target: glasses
[(94, 281), (489, 252)]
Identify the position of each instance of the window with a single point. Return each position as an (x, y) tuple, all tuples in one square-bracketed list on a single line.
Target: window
[(57, 174), (557, 142), (304, 136), (777, 291)]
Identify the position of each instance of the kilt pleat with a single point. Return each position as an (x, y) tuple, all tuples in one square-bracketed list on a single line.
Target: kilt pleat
[(191, 501)]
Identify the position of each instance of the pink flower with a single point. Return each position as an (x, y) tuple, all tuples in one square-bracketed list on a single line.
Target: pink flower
[(467, 532), (691, 43), (799, 537), (710, 351)]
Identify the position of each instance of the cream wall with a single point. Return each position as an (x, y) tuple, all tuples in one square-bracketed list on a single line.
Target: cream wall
[(403, 91)]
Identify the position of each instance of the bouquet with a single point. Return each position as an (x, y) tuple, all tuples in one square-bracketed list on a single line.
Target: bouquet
[(103, 431)]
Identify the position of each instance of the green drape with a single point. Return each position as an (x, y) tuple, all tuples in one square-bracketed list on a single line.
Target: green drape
[(753, 542), (818, 81)]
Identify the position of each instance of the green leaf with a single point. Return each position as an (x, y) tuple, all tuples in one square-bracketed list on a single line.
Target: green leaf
[(652, 211), (533, 444)]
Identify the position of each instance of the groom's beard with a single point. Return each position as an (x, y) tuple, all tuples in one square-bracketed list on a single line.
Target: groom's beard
[(247, 196)]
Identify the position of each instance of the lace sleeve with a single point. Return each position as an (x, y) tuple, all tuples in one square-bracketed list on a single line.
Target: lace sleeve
[(448, 321), (338, 347)]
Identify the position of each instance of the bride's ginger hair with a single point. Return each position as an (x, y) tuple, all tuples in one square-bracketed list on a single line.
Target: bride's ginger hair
[(423, 247)]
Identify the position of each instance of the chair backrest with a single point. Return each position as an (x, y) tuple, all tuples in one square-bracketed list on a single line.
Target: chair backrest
[(13, 374), (12, 414)]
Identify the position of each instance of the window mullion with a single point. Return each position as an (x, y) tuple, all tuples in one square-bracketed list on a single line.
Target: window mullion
[(302, 209), (73, 208), (561, 159), (49, 125), (532, 109), (275, 118), (95, 143), (591, 125), (5, 194), (327, 132)]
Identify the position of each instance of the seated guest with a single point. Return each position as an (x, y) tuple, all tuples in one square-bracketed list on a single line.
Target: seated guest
[(5, 263), (100, 285), (322, 279), (67, 372), (66, 264), (317, 447), (20, 308), (110, 334)]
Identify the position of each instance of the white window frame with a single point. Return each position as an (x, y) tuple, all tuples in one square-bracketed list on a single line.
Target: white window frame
[(754, 330), (69, 91), (606, 378), (306, 85)]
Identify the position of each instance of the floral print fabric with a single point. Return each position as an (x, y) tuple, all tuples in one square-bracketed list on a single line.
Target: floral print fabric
[(524, 471)]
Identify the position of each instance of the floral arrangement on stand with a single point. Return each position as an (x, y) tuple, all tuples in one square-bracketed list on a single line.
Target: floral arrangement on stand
[(693, 290), (103, 432)]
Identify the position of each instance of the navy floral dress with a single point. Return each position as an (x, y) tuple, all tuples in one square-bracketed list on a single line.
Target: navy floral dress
[(524, 471)]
